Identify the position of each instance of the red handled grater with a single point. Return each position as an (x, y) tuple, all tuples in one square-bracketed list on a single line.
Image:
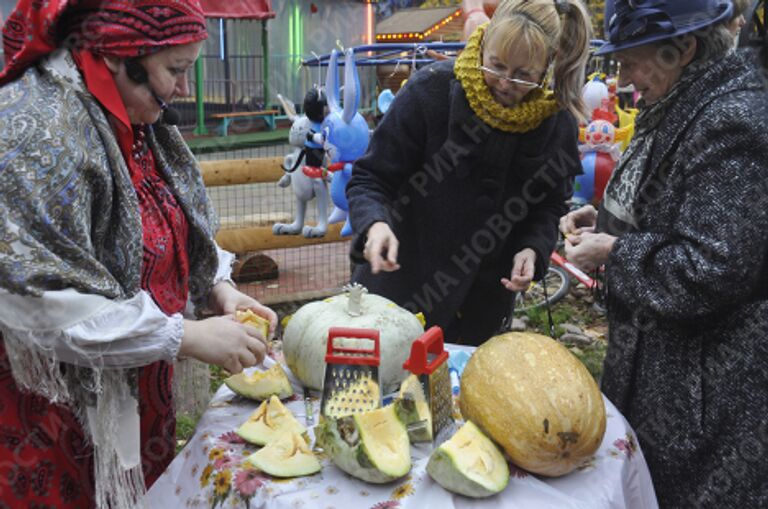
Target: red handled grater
[(351, 384), (429, 362)]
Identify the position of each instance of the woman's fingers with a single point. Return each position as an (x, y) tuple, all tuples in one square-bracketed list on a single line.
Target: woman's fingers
[(516, 283), (392, 247), (258, 347), (247, 358), (575, 222), (233, 366), (382, 254), (268, 313)]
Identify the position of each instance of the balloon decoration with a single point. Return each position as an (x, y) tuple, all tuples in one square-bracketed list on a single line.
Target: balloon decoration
[(602, 142), (345, 134), (599, 154), (384, 101), (304, 187)]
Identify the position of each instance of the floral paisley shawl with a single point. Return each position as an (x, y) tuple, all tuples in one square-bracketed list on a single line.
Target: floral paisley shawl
[(69, 218)]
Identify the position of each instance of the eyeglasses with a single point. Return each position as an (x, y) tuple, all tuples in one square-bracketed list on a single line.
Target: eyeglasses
[(514, 81)]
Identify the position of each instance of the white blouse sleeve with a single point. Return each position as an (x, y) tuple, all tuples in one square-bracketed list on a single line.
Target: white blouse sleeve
[(91, 330), (224, 273)]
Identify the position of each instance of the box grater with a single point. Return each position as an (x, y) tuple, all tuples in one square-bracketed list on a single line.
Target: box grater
[(429, 362), (351, 383)]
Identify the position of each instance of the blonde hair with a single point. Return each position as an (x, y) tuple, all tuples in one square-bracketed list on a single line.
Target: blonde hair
[(565, 42)]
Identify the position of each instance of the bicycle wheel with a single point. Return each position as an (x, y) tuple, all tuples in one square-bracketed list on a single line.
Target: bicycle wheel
[(558, 283)]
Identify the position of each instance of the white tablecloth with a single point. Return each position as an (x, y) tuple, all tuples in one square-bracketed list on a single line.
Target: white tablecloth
[(209, 473)]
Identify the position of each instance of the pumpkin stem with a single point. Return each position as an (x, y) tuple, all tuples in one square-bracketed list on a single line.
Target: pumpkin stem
[(355, 293)]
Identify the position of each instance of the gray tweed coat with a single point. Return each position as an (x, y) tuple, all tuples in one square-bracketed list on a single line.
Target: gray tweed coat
[(688, 297)]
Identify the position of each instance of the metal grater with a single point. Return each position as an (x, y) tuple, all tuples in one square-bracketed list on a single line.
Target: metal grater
[(429, 362), (351, 384)]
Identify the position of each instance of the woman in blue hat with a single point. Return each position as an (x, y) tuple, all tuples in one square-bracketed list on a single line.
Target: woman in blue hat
[(681, 232), (456, 202)]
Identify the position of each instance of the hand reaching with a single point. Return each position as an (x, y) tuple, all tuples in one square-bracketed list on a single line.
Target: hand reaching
[(523, 269), (381, 248)]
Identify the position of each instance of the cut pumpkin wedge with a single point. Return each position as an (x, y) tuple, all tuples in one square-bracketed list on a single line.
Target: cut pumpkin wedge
[(268, 422), (286, 456), (260, 385)]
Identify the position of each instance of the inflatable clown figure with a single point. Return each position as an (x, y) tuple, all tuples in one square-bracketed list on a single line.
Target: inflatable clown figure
[(599, 154)]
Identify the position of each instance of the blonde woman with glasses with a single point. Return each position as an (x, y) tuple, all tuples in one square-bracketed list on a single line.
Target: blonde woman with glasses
[(455, 205)]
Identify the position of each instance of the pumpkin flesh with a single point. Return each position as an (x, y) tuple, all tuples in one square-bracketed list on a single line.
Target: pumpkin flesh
[(260, 385), (469, 464), (372, 446), (286, 456), (268, 422)]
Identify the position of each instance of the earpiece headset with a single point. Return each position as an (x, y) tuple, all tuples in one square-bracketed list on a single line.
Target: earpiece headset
[(138, 74)]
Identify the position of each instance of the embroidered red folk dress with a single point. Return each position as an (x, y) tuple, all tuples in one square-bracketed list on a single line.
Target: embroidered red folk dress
[(45, 461)]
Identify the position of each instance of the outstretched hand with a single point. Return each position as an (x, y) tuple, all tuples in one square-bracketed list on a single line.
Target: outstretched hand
[(381, 248), (523, 270)]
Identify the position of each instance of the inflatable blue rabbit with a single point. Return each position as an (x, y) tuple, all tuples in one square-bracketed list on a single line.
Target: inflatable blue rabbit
[(345, 134)]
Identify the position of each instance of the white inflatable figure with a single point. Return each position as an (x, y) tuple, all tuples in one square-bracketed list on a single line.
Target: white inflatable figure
[(304, 187), (593, 94)]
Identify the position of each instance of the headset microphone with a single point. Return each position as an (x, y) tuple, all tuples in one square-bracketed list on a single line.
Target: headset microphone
[(138, 74)]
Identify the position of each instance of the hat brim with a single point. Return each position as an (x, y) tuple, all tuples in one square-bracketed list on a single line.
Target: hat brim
[(610, 47)]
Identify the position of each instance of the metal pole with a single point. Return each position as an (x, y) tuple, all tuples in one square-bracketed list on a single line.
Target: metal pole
[(229, 103), (265, 62), (200, 129)]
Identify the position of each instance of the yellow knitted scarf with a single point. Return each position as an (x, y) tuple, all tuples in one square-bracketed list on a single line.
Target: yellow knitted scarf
[(537, 105)]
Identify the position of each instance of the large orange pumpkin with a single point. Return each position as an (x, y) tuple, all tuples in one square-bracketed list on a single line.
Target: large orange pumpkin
[(536, 400)]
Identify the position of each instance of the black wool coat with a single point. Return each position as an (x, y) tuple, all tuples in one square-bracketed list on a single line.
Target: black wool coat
[(462, 199), (688, 297)]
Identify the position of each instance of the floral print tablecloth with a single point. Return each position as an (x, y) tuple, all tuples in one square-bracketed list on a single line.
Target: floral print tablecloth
[(210, 473)]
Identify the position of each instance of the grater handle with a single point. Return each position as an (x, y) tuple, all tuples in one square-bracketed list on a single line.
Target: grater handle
[(431, 342), (363, 356)]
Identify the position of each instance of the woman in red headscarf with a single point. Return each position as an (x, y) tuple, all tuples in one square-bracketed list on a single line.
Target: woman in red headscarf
[(106, 233)]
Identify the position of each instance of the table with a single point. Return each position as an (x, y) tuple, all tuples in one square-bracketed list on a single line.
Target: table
[(208, 473)]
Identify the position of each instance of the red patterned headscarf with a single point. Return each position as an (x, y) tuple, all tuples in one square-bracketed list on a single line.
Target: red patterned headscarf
[(126, 28)]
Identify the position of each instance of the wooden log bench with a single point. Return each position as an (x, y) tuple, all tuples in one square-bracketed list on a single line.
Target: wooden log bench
[(226, 118)]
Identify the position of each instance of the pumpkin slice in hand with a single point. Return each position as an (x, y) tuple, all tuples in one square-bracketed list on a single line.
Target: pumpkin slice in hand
[(261, 384), (286, 456), (268, 422), (372, 446), (413, 410), (248, 317), (469, 464)]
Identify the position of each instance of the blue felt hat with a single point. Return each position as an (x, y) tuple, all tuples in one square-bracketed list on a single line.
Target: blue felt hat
[(631, 23)]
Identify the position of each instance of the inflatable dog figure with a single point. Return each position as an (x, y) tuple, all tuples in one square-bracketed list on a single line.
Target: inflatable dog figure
[(304, 187), (345, 134)]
